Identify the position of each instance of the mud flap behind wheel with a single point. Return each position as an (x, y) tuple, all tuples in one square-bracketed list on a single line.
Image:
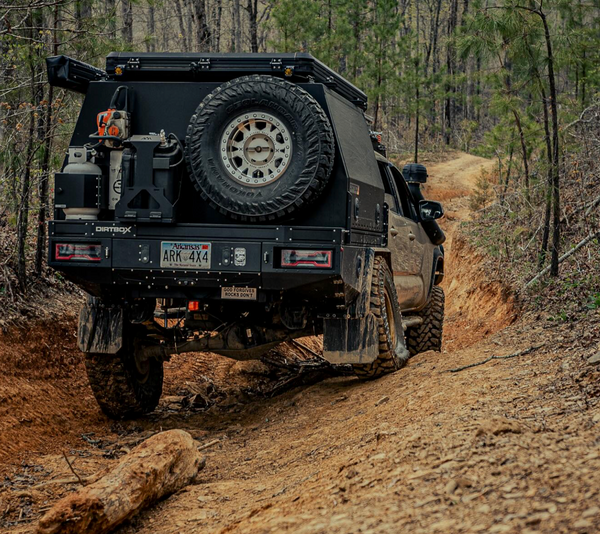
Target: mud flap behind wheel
[(100, 328), (351, 340)]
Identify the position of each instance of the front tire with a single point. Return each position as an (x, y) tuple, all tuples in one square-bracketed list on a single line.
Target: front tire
[(393, 353), (428, 335), (125, 386)]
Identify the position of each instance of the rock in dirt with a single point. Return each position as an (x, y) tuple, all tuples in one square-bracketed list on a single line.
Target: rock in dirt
[(158, 467), (382, 400), (451, 487), (499, 425), (199, 401), (251, 367), (594, 359)]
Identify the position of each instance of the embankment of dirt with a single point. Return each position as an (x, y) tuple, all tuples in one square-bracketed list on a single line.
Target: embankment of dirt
[(44, 398), (477, 305)]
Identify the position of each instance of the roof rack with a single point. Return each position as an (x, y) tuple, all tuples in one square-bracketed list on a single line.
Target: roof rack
[(177, 66)]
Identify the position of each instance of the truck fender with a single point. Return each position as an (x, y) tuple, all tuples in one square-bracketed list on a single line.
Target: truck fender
[(100, 327), (438, 267)]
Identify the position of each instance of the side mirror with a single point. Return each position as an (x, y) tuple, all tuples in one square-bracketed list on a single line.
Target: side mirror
[(430, 210)]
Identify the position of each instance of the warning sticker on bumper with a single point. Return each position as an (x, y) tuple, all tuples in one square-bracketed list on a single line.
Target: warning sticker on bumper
[(238, 293)]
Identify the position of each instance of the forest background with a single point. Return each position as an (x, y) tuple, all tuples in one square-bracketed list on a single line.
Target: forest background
[(516, 80)]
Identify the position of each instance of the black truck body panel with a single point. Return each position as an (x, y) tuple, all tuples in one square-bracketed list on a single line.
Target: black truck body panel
[(354, 157)]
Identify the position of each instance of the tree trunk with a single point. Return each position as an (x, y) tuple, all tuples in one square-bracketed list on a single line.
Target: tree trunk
[(127, 30), (182, 27), (151, 37), (112, 18), (24, 195), (83, 12), (252, 8), (547, 211), (201, 25), (450, 89), (508, 171), (236, 34), (47, 133), (417, 85), (555, 150), (156, 468), (23, 206), (524, 152), (435, 59), (217, 26)]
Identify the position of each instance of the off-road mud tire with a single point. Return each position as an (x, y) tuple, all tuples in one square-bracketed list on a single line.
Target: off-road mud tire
[(312, 148), (393, 353), (428, 335), (121, 389)]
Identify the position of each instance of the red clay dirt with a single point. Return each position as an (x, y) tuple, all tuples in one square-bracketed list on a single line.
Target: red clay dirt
[(507, 446)]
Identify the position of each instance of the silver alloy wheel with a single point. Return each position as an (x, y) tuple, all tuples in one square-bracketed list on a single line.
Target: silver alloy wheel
[(256, 148)]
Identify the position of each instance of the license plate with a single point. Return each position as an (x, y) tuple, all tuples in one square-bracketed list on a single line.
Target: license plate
[(238, 293), (184, 255)]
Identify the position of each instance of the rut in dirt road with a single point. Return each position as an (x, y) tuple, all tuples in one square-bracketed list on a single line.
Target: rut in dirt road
[(422, 449), (509, 446)]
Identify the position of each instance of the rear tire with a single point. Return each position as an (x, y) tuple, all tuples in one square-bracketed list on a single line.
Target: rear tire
[(428, 335), (393, 353), (125, 386)]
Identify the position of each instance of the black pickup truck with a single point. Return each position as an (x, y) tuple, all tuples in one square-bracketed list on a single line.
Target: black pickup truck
[(231, 202)]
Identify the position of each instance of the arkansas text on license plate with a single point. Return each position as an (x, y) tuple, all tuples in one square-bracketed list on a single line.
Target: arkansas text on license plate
[(184, 255), (240, 293)]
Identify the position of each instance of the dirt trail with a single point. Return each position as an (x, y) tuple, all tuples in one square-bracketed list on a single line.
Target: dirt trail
[(508, 446)]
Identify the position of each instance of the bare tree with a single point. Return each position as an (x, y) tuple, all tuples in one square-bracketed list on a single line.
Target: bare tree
[(252, 10), (112, 18), (201, 25), (182, 27), (151, 24), (127, 12), (46, 139)]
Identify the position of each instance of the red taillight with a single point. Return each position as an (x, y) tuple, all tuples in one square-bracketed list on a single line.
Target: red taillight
[(193, 305), (320, 259), (77, 252)]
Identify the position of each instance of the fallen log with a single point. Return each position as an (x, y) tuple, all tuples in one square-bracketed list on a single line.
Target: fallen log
[(157, 467)]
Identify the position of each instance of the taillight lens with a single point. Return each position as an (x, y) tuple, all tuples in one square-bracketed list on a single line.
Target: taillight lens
[(320, 259), (77, 252)]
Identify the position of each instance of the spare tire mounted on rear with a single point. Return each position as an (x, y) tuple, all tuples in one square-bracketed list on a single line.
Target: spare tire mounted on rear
[(259, 148)]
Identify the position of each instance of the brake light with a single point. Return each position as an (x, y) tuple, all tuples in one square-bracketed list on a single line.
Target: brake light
[(320, 259), (77, 252), (193, 305)]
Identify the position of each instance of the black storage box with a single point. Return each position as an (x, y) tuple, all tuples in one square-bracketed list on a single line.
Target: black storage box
[(79, 191), (72, 74)]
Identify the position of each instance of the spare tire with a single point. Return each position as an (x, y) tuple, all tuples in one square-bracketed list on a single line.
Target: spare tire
[(259, 148)]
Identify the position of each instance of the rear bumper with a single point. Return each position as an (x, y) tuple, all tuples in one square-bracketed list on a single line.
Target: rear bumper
[(130, 262)]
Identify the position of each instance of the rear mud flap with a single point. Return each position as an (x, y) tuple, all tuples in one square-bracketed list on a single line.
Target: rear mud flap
[(100, 328), (351, 340)]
